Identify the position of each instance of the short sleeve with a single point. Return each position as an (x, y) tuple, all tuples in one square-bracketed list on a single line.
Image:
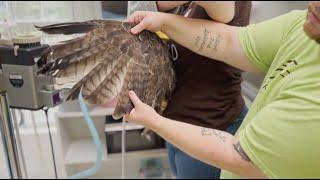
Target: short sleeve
[(283, 138), (262, 41)]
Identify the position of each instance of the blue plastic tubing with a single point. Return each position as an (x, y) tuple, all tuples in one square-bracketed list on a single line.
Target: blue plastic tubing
[(95, 136)]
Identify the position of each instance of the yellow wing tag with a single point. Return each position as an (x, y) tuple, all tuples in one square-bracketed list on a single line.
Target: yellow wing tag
[(162, 35)]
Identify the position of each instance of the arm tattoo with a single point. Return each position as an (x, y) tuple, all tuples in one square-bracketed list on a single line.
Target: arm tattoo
[(212, 132), (207, 41), (204, 39), (217, 42), (237, 147), (198, 38)]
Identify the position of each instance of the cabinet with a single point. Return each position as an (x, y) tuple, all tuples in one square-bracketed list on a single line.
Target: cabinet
[(78, 152)]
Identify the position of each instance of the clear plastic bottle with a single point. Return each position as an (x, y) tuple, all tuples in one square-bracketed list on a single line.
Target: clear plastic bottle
[(9, 29), (7, 33)]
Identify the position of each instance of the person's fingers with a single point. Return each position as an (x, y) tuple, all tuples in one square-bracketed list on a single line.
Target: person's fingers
[(139, 27), (130, 116), (135, 99), (136, 17), (130, 19)]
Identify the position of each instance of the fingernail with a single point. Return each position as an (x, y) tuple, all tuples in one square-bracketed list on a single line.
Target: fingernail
[(134, 31), (130, 92)]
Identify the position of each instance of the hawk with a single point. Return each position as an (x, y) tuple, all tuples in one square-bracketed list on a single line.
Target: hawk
[(108, 61)]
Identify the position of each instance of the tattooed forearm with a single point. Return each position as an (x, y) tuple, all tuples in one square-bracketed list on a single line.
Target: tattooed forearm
[(207, 40), (197, 41), (217, 42), (237, 147), (204, 39), (211, 42), (212, 132)]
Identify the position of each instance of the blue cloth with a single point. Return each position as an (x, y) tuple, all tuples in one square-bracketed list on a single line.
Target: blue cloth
[(184, 166)]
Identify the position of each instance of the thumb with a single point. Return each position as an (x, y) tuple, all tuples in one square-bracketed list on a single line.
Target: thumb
[(130, 116), (135, 99), (130, 19), (139, 27)]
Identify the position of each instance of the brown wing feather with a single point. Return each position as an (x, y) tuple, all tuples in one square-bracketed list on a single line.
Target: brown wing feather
[(113, 81), (136, 80), (111, 84), (61, 56), (109, 60), (147, 75), (67, 28)]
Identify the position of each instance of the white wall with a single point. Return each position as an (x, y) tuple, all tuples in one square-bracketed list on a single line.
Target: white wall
[(87, 10), (263, 10)]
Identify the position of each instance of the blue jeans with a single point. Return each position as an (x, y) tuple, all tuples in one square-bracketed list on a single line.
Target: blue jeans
[(184, 166)]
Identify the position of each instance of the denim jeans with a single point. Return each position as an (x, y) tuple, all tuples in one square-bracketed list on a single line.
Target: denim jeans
[(184, 166)]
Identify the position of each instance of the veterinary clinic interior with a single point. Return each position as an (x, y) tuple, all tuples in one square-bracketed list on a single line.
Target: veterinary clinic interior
[(159, 89)]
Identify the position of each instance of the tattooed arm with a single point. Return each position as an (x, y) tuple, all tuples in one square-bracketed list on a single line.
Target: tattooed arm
[(211, 39), (214, 147)]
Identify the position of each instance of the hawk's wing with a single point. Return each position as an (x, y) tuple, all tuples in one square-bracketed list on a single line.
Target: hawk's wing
[(108, 61)]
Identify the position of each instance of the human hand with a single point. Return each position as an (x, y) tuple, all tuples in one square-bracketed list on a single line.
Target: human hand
[(146, 20), (141, 113)]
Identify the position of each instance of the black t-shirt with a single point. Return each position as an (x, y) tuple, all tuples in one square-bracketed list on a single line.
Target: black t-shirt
[(208, 92)]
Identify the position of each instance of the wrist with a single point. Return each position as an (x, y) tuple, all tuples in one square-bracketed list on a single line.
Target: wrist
[(165, 22), (155, 122)]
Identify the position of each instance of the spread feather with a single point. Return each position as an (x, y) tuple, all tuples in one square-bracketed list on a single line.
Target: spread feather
[(110, 61)]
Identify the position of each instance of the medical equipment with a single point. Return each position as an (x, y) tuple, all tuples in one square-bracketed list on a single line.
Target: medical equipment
[(37, 137), (95, 135), (25, 89), (22, 88), (51, 143), (19, 143)]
